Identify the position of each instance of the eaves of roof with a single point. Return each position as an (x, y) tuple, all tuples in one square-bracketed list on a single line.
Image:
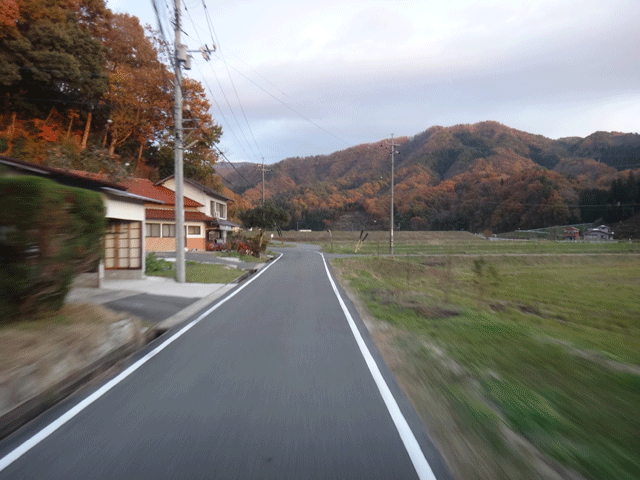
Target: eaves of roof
[(189, 216), (90, 181), (129, 195), (209, 191)]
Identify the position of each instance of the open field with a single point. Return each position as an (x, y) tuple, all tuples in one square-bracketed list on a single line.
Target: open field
[(521, 366), (443, 243)]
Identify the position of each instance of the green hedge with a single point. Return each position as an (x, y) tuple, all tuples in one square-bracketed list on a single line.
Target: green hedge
[(48, 234)]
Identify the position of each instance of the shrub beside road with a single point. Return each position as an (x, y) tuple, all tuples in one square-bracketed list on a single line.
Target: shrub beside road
[(48, 234)]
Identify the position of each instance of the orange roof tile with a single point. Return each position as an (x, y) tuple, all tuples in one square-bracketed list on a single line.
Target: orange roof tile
[(158, 214), (146, 188)]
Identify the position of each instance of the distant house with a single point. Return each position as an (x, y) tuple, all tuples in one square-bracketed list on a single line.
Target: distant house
[(205, 214), (212, 204), (124, 252), (601, 233), (160, 216), (571, 233)]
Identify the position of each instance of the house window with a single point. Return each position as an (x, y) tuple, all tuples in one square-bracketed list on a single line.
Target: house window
[(193, 229), (219, 210), (153, 229), (168, 230)]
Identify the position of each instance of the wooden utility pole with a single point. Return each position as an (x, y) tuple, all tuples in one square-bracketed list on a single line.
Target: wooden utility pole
[(263, 170), (262, 182), (393, 152)]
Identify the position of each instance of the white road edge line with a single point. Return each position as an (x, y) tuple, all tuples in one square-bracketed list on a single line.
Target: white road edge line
[(64, 418), (423, 469)]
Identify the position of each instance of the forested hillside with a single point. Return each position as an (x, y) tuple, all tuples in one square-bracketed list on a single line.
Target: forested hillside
[(472, 177), (85, 88)]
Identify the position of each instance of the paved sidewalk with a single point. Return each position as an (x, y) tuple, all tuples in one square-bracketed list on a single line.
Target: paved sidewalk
[(165, 286), (112, 291)]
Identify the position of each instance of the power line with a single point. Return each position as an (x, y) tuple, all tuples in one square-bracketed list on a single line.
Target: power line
[(214, 97), (228, 104), (234, 167), (214, 37), (158, 20), (228, 66), (291, 108), (222, 113)]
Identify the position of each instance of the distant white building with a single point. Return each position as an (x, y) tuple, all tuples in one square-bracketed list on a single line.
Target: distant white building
[(599, 234)]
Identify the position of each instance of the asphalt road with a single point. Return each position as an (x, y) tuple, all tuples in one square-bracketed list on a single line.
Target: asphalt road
[(271, 384)]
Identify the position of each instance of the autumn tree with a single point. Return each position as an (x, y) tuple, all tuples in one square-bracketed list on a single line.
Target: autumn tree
[(139, 97), (202, 134), (49, 57), (265, 217)]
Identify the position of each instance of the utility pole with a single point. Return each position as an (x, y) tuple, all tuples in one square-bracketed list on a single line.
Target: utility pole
[(263, 182), (263, 170), (393, 152), (180, 56)]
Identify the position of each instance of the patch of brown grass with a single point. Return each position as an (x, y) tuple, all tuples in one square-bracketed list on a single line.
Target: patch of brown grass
[(73, 327)]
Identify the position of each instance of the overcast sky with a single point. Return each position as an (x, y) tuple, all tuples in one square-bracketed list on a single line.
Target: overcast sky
[(313, 77)]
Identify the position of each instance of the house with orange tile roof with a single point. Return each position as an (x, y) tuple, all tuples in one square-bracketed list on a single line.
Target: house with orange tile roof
[(124, 252), (205, 214), (138, 208), (571, 233), (160, 219), (214, 204)]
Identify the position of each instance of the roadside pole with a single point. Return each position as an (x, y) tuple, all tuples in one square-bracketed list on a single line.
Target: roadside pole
[(178, 173), (393, 152)]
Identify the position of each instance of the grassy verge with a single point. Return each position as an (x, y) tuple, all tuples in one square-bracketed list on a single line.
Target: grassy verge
[(534, 359), (194, 272)]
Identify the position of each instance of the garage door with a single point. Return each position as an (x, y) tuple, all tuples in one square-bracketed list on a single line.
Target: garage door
[(123, 245)]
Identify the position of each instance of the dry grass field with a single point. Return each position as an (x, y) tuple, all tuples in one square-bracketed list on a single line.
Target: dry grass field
[(455, 243), (522, 363)]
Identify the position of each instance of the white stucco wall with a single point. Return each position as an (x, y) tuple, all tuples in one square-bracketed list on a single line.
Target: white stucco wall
[(197, 195), (117, 208)]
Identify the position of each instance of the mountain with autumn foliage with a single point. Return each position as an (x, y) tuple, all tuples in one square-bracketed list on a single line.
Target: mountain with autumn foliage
[(472, 177)]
